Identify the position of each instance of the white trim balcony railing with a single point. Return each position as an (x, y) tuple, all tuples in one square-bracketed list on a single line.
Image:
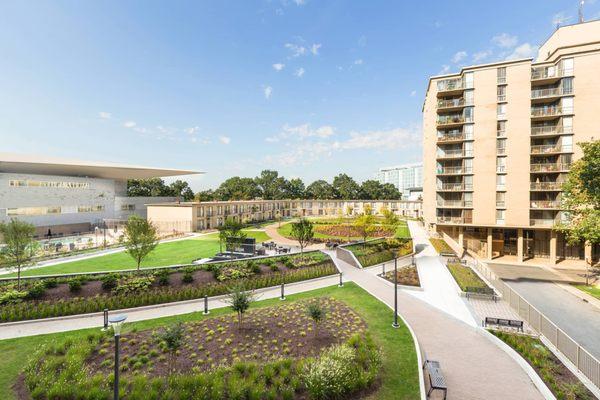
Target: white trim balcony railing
[(455, 203), (450, 84), (546, 149), (455, 154), (500, 204), (500, 169), (541, 222), (550, 186), (550, 167), (453, 171), (501, 80), (546, 111), (450, 119), (451, 137), (550, 130), (454, 187), (501, 134), (500, 187), (544, 204), (454, 220), (550, 92), (453, 103), (545, 73), (501, 98), (500, 151)]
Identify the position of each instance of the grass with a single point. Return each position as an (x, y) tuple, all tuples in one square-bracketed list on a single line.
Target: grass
[(465, 277), (285, 230), (441, 246), (562, 383), (591, 290), (399, 374), (171, 253), (377, 252)]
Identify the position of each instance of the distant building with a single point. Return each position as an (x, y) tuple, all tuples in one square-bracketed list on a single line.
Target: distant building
[(408, 179)]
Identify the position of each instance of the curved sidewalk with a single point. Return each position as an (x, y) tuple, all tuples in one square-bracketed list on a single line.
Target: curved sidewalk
[(271, 230)]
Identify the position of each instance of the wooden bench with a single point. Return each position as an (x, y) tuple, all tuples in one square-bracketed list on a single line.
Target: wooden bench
[(505, 322), (436, 378)]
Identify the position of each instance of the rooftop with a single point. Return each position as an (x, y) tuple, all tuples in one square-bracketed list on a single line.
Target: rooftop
[(34, 164)]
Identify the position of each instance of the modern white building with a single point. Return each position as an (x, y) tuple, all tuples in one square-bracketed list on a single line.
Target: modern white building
[(63, 197), (408, 179)]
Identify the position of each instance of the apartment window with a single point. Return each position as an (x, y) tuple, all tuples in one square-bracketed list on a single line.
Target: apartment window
[(468, 180), (501, 129), (501, 73), (469, 114), (500, 217), (567, 85), (127, 207), (468, 165), (469, 80), (29, 211), (567, 105), (567, 66), (469, 97), (86, 209), (468, 131), (500, 146), (49, 184), (468, 149), (500, 182), (501, 111), (500, 199), (501, 165), (567, 124), (501, 92), (567, 143)]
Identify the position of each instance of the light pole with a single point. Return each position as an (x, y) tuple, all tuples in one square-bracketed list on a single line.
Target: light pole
[(117, 323), (395, 324)]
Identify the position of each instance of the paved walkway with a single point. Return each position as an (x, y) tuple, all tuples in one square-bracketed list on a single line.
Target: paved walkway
[(271, 230), (63, 324)]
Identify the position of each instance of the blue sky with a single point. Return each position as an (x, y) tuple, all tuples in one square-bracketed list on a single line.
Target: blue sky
[(311, 88)]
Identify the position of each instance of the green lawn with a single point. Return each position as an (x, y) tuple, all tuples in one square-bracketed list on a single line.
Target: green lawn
[(171, 253), (285, 230), (465, 277), (399, 374), (591, 290), (441, 246)]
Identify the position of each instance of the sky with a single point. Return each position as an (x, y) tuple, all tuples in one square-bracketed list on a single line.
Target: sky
[(310, 88)]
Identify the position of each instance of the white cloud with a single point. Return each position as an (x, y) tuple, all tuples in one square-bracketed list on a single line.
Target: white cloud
[(381, 139), (359, 61), (525, 50), (481, 55), (299, 72), (295, 49), (192, 131), (300, 2), (505, 41), (224, 139), (104, 115), (129, 124), (459, 56), (413, 93), (314, 49), (445, 69), (278, 66), (268, 91), (561, 18), (362, 41)]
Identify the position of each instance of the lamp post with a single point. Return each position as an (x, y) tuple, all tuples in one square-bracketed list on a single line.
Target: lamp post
[(395, 324), (117, 323)]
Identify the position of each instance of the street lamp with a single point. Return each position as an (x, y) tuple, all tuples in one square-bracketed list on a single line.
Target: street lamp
[(117, 323), (395, 324)]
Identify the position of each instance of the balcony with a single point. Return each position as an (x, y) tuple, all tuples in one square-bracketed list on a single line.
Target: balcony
[(550, 167), (550, 130), (460, 153), (549, 93), (452, 104), (453, 137), (546, 186), (544, 204), (500, 204), (454, 220), (450, 86), (500, 151), (500, 169), (541, 222), (548, 112), (454, 171), (455, 203), (549, 149), (454, 187), (546, 74), (450, 120)]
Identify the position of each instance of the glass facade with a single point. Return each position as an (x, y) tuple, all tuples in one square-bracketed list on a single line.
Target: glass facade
[(403, 177)]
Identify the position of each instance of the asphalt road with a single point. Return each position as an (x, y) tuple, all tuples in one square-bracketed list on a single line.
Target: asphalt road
[(578, 319)]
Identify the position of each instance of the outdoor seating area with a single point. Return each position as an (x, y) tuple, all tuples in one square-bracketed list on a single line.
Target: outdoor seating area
[(437, 381), (274, 248), (503, 322)]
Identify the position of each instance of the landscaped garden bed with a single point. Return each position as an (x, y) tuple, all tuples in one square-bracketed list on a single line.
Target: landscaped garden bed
[(53, 297), (407, 276), (377, 251), (466, 278), (563, 384), (278, 353), (441, 246)]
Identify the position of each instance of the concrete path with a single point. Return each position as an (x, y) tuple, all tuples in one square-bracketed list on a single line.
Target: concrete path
[(271, 230), (63, 324), (578, 319)]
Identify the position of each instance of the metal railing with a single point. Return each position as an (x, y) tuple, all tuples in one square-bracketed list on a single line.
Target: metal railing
[(453, 171), (454, 187), (451, 137), (546, 185), (450, 119), (550, 92), (501, 169), (454, 203), (451, 103), (550, 167), (450, 84), (454, 220), (546, 111), (455, 153), (500, 150), (583, 360), (541, 222), (500, 204), (544, 73), (541, 204), (546, 148), (550, 130)]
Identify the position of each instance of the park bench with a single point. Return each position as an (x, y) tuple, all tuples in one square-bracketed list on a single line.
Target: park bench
[(504, 322), (485, 292), (436, 378)]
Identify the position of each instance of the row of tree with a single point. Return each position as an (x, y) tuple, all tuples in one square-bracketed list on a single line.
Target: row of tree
[(269, 185)]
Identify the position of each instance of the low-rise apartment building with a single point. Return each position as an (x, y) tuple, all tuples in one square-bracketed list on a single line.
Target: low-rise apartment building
[(499, 140), (198, 216)]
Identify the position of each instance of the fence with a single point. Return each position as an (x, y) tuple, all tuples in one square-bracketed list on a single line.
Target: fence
[(586, 363)]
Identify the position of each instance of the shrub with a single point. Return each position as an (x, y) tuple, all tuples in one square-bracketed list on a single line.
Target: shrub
[(50, 283), (331, 375), (36, 291), (12, 297), (74, 285), (253, 266), (162, 276), (134, 285), (188, 276), (109, 281)]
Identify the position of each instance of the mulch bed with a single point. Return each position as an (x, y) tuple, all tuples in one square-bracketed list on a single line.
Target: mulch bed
[(350, 231), (267, 334), (407, 276)]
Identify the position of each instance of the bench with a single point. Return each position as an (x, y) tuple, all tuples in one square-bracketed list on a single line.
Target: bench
[(509, 323), (485, 292), (436, 378)]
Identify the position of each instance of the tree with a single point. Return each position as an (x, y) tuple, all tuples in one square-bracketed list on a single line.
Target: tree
[(205, 195), (172, 337), (365, 225), (390, 218), (390, 192), (270, 185), (231, 232), (345, 187), (140, 238), (581, 198), (20, 244), (371, 190), (152, 187), (320, 190), (237, 188), (302, 231), (317, 313), (295, 189), (239, 300), (182, 190)]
